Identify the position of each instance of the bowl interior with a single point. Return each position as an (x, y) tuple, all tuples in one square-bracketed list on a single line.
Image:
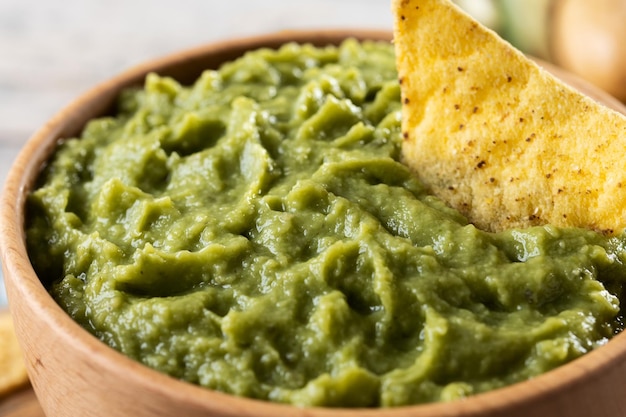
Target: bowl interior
[(39, 319)]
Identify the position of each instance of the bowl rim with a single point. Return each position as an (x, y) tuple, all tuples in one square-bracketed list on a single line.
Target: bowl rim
[(20, 275)]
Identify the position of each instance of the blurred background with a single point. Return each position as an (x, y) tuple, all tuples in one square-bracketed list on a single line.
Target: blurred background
[(50, 52)]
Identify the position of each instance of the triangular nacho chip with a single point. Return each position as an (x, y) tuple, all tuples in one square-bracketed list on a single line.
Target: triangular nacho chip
[(496, 136)]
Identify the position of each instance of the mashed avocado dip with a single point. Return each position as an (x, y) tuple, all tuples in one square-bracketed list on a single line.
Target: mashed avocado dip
[(254, 233)]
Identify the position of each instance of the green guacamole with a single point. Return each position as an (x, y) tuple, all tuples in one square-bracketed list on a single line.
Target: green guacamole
[(256, 234)]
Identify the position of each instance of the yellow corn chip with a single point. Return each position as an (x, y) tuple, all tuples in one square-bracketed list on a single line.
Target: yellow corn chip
[(12, 370), (496, 136)]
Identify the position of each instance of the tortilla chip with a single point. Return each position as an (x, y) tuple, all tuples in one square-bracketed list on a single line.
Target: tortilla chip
[(12, 370), (497, 137)]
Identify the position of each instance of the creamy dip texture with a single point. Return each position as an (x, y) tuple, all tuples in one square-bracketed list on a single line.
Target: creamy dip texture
[(255, 233)]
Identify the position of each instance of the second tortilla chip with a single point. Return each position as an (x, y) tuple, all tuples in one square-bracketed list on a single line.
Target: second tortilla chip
[(12, 370)]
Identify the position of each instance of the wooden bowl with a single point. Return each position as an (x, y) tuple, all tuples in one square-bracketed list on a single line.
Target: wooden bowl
[(74, 374)]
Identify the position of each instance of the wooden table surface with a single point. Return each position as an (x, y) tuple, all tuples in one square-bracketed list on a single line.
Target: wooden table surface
[(52, 51)]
